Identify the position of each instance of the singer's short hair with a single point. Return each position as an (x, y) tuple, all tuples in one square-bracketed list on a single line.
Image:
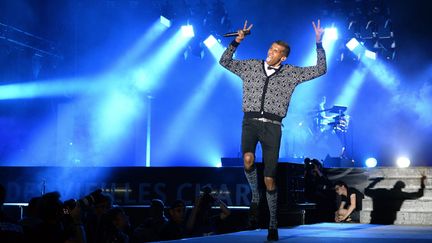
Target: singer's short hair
[(287, 49)]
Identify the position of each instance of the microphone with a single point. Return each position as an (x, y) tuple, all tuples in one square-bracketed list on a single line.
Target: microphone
[(232, 34)]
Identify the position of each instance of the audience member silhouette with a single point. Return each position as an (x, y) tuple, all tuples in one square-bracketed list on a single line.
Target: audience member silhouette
[(176, 226), (94, 224), (201, 220), (10, 231), (31, 219), (116, 226), (151, 228)]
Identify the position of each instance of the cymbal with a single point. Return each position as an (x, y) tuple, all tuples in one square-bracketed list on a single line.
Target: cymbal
[(337, 109)]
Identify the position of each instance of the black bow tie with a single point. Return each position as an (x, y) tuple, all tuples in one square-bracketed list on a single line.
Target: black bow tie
[(270, 68)]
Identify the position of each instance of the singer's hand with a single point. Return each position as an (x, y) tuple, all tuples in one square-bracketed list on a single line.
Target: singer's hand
[(241, 33), (319, 32)]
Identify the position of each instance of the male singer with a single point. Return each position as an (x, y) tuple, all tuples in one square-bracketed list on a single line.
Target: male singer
[(267, 89)]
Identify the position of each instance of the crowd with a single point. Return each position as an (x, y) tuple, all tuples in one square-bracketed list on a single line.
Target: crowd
[(95, 219)]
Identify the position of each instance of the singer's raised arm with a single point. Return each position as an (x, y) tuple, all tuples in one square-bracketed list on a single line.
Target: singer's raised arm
[(227, 60), (242, 33)]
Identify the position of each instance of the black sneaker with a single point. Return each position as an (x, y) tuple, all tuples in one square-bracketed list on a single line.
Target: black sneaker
[(253, 219), (273, 235)]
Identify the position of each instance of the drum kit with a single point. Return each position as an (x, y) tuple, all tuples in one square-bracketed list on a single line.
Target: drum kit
[(319, 133), (336, 123)]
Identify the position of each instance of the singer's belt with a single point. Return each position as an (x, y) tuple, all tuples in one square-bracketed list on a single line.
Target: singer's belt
[(262, 119)]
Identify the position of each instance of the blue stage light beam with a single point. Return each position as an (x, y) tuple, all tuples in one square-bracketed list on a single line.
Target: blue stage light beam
[(112, 120), (234, 80), (352, 87), (54, 88), (209, 152), (116, 108), (141, 46), (214, 158), (382, 72), (184, 118), (214, 46), (49, 88), (370, 54), (155, 67), (385, 75)]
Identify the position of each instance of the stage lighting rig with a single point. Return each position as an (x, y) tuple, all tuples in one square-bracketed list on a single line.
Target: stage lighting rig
[(206, 17), (24, 40), (369, 22)]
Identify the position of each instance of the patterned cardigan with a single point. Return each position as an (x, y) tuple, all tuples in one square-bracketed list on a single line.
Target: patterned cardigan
[(269, 96)]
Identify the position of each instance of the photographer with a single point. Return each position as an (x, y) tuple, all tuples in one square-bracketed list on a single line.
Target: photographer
[(316, 182), (86, 214), (95, 206), (318, 190), (53, 221), (201, 221)]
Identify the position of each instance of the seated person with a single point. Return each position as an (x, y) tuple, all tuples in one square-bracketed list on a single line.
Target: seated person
[(350, 203)]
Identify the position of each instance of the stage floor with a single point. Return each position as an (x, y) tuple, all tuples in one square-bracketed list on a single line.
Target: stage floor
[(329, 232)]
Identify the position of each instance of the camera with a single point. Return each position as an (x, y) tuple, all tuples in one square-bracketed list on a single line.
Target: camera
[(311, 163), (207, 198), (69, 205), (85, 203), (91, 199)]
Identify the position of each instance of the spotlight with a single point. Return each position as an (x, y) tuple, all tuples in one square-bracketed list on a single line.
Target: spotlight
[(371, 162), (187, 31), (403, 162), (370, 54), (165, 21), (352, 44), (210, 41), (331, 34)]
